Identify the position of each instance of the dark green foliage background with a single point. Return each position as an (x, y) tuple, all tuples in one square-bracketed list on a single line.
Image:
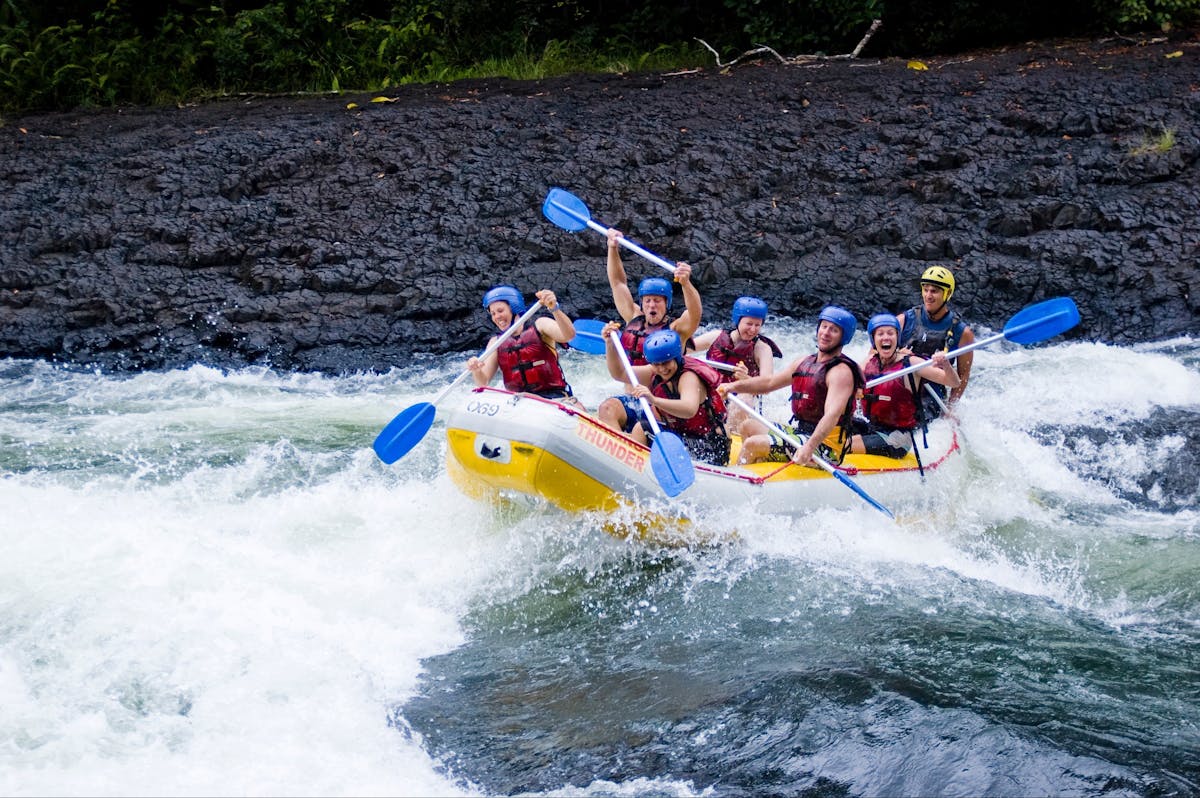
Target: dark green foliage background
[(56, 55)]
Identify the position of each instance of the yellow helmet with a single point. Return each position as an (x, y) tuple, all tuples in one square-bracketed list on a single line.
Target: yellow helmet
[(940, 276)]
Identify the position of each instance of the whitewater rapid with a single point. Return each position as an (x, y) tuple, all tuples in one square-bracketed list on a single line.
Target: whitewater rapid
[(210, 585)]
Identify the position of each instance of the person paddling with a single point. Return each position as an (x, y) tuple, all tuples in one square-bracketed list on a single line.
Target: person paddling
[(528, 361), (682, 392), (893, 409), (933, 326), (745, 347), (649, 314), (824, 387)]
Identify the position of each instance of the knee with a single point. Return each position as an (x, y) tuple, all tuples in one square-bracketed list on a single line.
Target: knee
[(612, 413), (754, 449)]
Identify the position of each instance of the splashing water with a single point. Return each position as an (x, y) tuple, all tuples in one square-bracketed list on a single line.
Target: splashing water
[(211, 585)]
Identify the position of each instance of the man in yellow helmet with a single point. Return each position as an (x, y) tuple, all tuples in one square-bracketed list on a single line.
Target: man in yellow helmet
[(932, 326)]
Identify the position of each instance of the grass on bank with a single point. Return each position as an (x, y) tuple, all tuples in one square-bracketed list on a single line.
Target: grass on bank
[(559, 59), (1159, 144), (89, 82)]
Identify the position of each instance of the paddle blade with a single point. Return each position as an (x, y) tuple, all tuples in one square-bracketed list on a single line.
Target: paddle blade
[(1041, 321), (404, 432), (588, 336), (672, 463), (845, 480), (565, 210)]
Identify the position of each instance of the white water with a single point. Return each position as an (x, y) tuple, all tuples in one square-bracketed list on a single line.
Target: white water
[(209, 584)]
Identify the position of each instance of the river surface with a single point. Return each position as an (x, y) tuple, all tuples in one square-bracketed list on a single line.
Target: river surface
[(210, 585)]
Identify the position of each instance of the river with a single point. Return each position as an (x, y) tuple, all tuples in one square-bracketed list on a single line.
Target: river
[(210, 585)]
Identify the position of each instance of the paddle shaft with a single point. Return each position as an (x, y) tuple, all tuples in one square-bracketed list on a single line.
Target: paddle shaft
[(1049, 320), (793, 440), (891, 375), (716, 363), (825, 464), (631, 375), (492, 347), (623, 241)]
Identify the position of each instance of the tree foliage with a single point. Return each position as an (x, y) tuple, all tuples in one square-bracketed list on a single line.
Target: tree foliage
[(66, 53)]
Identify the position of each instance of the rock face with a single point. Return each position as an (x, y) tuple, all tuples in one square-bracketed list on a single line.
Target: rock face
[(306, 234)]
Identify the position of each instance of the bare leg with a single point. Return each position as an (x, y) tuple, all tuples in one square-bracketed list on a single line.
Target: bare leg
[(755, 449), (612, 414)]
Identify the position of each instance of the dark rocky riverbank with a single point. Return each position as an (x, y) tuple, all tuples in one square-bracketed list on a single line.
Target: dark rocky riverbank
[(310, 235)]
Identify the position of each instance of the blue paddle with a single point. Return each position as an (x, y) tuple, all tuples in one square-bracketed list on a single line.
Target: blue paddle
[(410, 425), (589, 336), (797, 443), (568, 212), (1029, 326), (669, 456)]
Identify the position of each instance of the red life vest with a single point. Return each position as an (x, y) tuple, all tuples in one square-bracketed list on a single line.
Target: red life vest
[(809, 389), (710, 416), (634, 336), (889, 404), (724, 350), (529, 364)]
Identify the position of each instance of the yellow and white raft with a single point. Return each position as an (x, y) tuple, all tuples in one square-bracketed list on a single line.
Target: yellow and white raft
[(505, 443)]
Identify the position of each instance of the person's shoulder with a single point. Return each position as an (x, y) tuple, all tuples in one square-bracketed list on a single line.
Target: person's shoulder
[(841, 370), (795, 362)]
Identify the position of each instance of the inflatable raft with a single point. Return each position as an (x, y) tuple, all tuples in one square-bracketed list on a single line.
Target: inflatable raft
[(501, 443)]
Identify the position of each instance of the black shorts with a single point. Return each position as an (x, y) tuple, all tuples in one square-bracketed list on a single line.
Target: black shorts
[(634, 414)]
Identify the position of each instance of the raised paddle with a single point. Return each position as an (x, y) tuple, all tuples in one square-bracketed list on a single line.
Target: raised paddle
[(1029, 326), (797, 443), (568, 212), (668, 455), (410, 425)]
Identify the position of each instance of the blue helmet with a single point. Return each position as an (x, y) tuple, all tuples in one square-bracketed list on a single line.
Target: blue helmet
[(882, 320), (842, 318), (661, 346), (655, 286), (750, 306), (505, 293)]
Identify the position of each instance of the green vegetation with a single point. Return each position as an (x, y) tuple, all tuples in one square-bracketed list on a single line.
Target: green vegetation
[(110, 52), (1159, 144)]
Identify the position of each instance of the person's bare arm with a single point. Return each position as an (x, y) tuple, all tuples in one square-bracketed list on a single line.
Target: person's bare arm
[(839, 382), (940, 370), (763, 383), (691, 394), (703, 341), (559, 327), (689, 321), (963, 365), (483, 369), (617, 279)]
